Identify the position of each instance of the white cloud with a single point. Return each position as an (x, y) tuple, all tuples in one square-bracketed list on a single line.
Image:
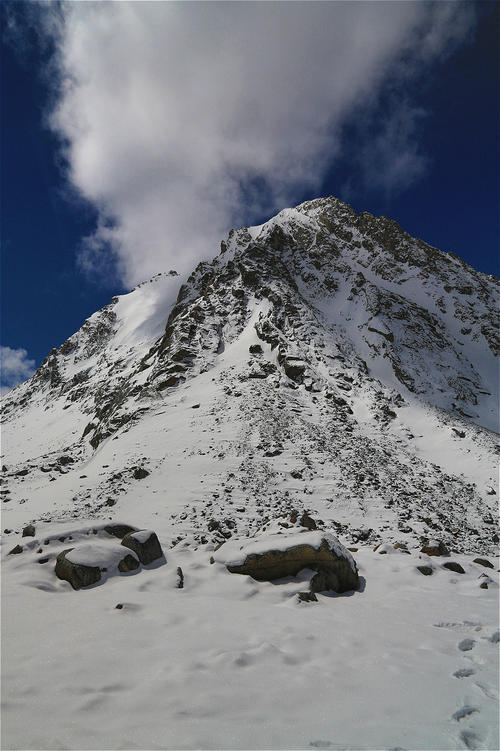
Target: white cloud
[(172, 113), (16, 367)]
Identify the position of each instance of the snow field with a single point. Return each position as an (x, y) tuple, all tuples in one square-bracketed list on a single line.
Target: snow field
[(231, 663)]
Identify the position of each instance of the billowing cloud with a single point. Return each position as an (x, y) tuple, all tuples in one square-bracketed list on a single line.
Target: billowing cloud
[(16, 367), (180, 120)]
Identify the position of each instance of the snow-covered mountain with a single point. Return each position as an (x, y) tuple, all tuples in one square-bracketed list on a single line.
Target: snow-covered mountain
[(328, 372), (340, 365)]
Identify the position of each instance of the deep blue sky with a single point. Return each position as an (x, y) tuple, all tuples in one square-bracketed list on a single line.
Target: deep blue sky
[(455, 206)]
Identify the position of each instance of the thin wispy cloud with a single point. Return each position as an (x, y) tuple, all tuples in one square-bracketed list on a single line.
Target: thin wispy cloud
[(180, 120)]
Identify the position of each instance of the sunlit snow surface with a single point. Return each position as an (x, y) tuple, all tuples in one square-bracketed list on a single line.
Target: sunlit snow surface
[(230, 663)]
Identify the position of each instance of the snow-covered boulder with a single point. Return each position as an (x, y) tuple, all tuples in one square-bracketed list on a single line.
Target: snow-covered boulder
[(77, 574), (275, 556), (83, 565), (145, 544)]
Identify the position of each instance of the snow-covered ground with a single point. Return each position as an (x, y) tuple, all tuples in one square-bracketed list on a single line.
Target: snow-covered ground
[(409, 662)]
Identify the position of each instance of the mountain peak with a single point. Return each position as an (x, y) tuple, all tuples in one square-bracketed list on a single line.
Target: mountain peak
[(322, 333)]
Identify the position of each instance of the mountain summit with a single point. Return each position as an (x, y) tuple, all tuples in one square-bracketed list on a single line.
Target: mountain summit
[(324, 361)]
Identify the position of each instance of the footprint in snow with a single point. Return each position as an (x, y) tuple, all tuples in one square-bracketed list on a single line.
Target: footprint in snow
[(464, 672), (470, 739), (466, 711)]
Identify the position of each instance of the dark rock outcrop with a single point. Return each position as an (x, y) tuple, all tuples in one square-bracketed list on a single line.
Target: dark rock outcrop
[(425, 570), (435, 548), (77, 574), (145, 544), (454, 566)]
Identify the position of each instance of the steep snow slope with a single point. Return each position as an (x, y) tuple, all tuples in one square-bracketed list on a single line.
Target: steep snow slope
[(323, 361)]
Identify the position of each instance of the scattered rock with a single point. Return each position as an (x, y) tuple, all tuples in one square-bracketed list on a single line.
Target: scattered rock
[(22, 473), (255, 349), (483, 562), (306, 521), (180, 578), (29, 531), (425, 570), (307, 597), (466, 645), (364, 535), (16, 550), (433, 547), (77, 574), (453, 566), (64, 460), (43, 560), (460, 433), (140, 473), (486, 581), (110, 502), (195, 406), (145, 544), (119, 606)]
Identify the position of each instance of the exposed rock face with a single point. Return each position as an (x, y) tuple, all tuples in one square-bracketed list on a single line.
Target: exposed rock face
[(29, 531), (334, 564), (77, 574), (145, 544)]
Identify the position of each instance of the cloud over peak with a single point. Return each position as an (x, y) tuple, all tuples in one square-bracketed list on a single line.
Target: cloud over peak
[(179, 120), (16, 367)]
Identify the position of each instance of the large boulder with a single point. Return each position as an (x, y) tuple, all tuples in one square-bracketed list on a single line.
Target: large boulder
[(84, 565), (276, 556), (145, 544), (77, 574)]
